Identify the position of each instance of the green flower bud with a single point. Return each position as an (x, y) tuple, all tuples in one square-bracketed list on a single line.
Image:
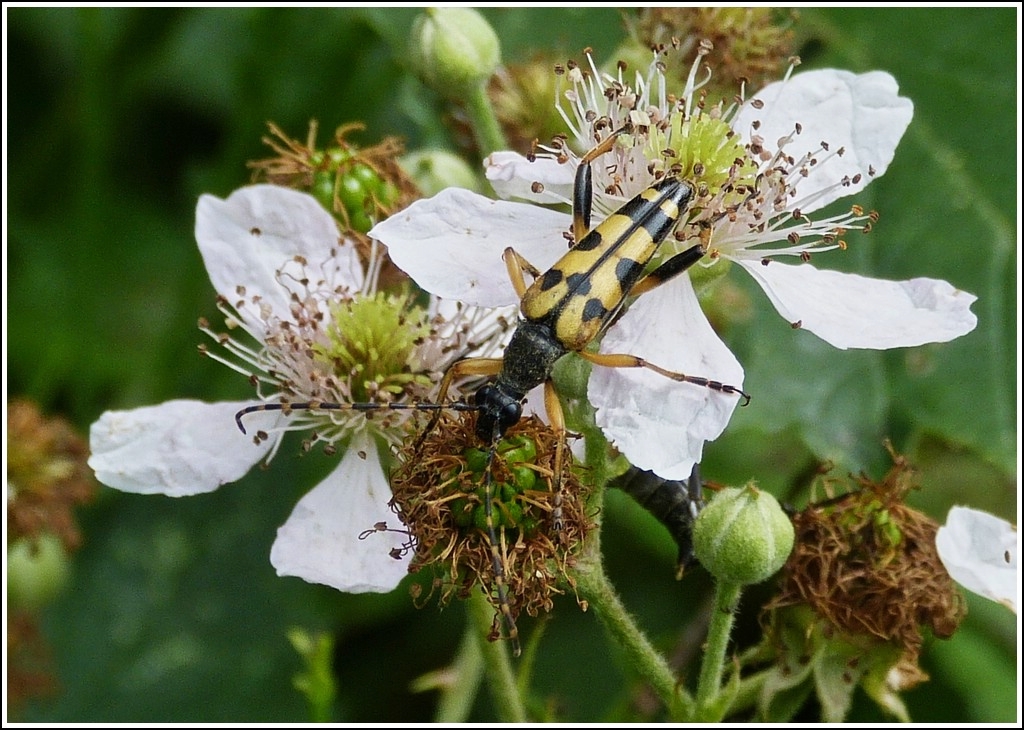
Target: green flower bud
[(518, 449), (480, 517), (435, 170), (476, 459), (513, 513), (462, 512), (454, 50), (743, 536), (36, 571), (506, 493), (525, 477)]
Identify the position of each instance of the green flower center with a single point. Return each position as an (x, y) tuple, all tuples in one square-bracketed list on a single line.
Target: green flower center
[(370, 341), (705, 148)]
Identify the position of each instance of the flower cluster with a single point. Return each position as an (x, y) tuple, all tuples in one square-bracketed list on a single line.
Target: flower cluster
[(309, 328), (760, 167)]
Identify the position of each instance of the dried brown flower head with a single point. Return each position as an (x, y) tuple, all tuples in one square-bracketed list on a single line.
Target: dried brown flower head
[(47, 475), (866, 563), (440, 495)]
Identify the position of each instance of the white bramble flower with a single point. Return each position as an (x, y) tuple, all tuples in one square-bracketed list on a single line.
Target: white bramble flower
[(306, 323), (760, 167), (979, 552)]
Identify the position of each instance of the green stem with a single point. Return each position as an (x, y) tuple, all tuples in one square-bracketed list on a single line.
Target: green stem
[(592, 584), (482, 119), (594, 587), (727, 596), (457, 696), (507, 701)]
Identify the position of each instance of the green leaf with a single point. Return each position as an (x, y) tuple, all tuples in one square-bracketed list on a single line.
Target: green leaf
[(836, 674), (978, 667), (948, 206), (784, 702)]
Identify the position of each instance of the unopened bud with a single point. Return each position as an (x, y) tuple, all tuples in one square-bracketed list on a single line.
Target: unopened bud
[(37, 568), (435, 170), (743, 536), (454, 50)]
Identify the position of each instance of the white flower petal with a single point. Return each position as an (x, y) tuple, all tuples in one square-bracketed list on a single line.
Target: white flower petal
[(178, 448), (863, 114), (853, 311), (660, 424), (246, 239), (979, 552), (513, 176), (452, 244), (320, 541)]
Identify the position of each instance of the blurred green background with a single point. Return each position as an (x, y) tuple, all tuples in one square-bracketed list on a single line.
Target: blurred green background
[(118, 119)]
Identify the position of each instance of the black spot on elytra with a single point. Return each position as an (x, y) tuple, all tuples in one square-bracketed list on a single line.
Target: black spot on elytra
[(628, 271), (579, 284), (550, 278), (590, 241), (594, 309)]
